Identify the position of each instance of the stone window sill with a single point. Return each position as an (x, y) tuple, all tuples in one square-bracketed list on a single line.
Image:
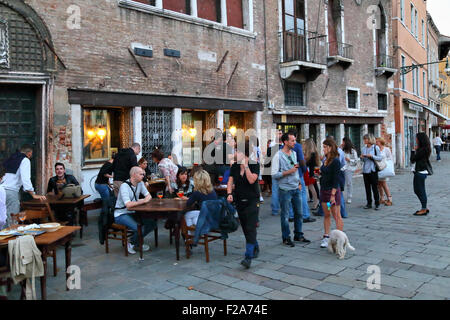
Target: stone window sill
[(130, 4)]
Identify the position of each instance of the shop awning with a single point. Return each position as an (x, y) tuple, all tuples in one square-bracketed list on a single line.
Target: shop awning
[(447, 126), (88, 97), (437, 114), (444, 46), (414, 105)]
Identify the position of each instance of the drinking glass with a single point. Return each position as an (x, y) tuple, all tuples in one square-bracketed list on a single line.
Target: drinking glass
[(160, 195), (180, 194), (220, 179), (22, 216)]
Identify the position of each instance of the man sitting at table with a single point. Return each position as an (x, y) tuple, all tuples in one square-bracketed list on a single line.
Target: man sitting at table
[(55, 186), (127, 199)]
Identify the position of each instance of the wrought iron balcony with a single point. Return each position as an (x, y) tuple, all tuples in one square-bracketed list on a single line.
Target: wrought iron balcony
[(302, 50), (340, 50), (385, 65)]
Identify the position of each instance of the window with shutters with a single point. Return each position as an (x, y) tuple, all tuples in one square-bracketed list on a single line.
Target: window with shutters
[(181, 6), (294, 94), (352, 99), (209, 9)]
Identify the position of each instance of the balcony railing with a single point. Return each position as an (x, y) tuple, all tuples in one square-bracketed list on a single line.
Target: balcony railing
[(384, 61), (303, 46), (341, 49)]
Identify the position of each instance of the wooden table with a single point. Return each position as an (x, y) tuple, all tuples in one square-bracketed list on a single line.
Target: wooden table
[(55, 203), (161, 209), (47, 242)]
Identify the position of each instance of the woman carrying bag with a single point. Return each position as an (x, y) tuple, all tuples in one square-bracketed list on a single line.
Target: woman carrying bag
[(421, 157), (370, 154), (383, 176)]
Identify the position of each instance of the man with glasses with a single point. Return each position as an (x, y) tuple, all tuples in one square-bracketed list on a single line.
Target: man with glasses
[(128, 199), (285, 171)]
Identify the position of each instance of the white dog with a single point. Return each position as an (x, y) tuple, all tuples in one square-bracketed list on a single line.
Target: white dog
[(338, 243)]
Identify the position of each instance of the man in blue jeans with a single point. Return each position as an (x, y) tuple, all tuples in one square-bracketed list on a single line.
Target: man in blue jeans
[(285, 170), (127, 199)]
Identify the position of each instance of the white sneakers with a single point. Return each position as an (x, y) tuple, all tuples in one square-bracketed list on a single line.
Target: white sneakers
[(324, 243), (130, 247), (349, 200), (261, 199)]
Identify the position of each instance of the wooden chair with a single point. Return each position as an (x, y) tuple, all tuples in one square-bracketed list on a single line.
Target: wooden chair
[(87, 206), (120, 232), (204, 239), (39, 215)]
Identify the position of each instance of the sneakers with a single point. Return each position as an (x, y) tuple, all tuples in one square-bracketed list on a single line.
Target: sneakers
[(301, 239), (130, 249), (368, 206), (349, 200), (246, 263), (309, 219), (256, 253), (261, 199), (324, 243), (377, 207)]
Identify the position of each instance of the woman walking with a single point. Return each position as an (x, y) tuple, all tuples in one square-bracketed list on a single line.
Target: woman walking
[(312, 161), (330, 192), (382, 182), (422, 168), (370, 153), (244, 177), (351, 161)]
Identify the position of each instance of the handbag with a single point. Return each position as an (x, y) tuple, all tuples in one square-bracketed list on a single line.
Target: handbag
[(379, 164), (388, 171), (71, 191)]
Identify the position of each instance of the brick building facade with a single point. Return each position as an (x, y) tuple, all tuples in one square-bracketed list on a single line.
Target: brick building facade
[(330, 68), (107, 73)]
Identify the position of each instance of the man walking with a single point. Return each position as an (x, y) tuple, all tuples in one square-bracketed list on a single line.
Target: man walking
[(437, 143), (18, 174), (124, 160), (289, 186)]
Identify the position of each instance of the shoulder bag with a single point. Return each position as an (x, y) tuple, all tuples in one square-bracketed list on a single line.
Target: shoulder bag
[(379, 164)]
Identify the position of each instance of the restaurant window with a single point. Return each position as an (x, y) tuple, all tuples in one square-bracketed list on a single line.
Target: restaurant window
[(209, 9), (101, 134), (294, 94), (234, 13), (382, 101), (192, 128), (352, 99), (182, 6)]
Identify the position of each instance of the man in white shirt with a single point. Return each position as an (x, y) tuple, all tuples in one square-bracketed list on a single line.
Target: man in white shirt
[(437, 143), (127, 199), (18, 174)]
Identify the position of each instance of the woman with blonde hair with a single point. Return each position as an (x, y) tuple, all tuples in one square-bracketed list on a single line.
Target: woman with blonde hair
[(312, 161), (382, 182), (203, 190)]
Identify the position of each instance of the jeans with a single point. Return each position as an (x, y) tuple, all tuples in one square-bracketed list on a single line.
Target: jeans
[(343, 211), (419, 188), (275, 204), (305, 207), (371, 181), (127, 220), (105, 194), (438, 152), (348, 183), (294, 198)]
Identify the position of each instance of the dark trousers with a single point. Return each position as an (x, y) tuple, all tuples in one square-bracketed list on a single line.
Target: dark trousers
[(438, 152), (248, 216), (419, 188), (371, 181)]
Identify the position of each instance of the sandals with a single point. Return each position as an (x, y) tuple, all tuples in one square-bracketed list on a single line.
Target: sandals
[(388, 202)]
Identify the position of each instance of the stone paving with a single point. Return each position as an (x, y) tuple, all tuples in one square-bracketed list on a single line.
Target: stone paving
[(413, 254)]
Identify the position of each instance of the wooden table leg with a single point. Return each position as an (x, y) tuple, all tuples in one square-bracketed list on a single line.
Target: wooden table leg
[(68, 246), (44, 277), (141, 240), (177, 237)]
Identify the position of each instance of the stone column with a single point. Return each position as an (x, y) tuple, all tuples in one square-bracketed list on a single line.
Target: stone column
[(340, 133), (364, 130), (137, 127), (377, 130), (223, 12), (77, 143), (194, 11), (177, 142), (305, 130), (159, 4), (219, 118), (321, 134)]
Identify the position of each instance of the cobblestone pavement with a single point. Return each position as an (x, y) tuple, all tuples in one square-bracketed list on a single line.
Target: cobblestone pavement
[(413, 254)]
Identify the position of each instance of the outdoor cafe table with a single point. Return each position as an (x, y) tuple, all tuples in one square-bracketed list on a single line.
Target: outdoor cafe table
[(47, 242), (161, 209), (65, 203)]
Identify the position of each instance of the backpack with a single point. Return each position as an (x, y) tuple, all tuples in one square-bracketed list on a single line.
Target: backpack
[(228, 222)]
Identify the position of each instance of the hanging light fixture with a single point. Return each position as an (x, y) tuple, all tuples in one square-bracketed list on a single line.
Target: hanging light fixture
[(233, 130)]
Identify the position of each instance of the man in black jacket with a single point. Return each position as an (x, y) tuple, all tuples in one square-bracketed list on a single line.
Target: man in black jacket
[(124, 160)]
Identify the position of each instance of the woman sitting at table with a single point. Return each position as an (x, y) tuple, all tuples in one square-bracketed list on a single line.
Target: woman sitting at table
[(203, 190), (183, 184), (143, 163)]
